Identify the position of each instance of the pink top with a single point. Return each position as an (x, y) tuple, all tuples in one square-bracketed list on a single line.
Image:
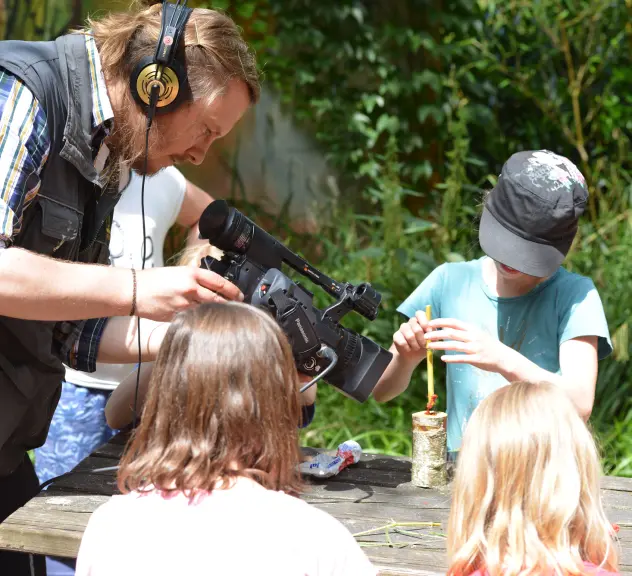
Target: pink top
[(591, 570), (246, 530)]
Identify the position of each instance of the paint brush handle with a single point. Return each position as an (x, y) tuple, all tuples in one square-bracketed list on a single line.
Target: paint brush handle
[(429, 359)]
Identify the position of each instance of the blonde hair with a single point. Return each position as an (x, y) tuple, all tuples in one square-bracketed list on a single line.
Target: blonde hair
[(192, 255), (526, 492), (214, 53)]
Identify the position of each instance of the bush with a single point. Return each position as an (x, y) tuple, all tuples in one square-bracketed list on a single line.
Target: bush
[(418, 104)]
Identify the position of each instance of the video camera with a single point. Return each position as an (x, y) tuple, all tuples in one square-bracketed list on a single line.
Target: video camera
[(252, 261)]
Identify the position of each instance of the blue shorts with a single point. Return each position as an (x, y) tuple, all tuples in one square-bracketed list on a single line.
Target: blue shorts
[(77, 429)]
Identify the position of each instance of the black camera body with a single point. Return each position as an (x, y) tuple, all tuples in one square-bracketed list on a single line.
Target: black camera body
[(253, 261)]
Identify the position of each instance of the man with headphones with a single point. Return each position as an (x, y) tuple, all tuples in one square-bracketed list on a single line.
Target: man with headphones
[(139, 90)]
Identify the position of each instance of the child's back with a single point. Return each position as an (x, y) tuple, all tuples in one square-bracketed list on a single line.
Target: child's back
[(243, 530)]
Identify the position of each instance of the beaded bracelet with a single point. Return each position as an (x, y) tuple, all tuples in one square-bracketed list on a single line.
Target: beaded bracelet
[(133, 312)]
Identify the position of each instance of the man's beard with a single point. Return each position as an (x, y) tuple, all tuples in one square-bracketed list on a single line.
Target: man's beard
[(140, 170), (139, 167), (128, 149)]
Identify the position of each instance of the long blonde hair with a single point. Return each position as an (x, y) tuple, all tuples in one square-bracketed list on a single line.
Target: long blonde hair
[(526, 493), (192, 255)]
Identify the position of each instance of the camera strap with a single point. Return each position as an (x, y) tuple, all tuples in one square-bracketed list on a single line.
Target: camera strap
[(293, 319)]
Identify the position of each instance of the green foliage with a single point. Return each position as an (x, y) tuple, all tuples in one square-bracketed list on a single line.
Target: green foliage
[(417, 104), (37, 19), (359, 73)]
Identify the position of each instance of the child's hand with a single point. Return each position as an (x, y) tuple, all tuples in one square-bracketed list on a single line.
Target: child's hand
[(410, 339), (475, 347)]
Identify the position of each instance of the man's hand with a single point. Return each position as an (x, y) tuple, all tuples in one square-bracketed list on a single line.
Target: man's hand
[(410, 339), (162, 292), (35, 287), (477, 347)]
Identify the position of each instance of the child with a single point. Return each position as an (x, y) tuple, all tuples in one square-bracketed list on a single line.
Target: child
[(514, 314), (208, 475), (119, 410), (526, 494)]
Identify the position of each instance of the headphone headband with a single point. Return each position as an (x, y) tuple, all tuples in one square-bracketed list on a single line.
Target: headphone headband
[(165, 71), (174, 21)]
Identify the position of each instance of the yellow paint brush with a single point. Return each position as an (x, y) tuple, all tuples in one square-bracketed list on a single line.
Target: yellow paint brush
[(432, 398)]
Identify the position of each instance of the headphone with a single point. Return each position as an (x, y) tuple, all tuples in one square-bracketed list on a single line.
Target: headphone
[(159, 83)]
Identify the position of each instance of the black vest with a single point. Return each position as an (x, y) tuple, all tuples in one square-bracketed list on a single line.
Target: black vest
[(69, 219)]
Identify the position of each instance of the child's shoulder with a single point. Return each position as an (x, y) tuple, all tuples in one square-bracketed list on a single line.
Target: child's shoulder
[(459, 269), (464, 265), (566, 276), (572, 283)]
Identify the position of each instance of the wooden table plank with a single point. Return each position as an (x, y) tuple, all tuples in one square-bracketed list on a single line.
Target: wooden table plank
[(364, 497)]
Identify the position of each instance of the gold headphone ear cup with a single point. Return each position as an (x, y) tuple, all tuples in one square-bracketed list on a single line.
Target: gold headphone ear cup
[(169, 87), (172, 85), (136, 85), (167, 83), (146, 76)]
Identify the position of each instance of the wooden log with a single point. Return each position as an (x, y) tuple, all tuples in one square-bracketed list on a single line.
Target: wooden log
[(429, 450)]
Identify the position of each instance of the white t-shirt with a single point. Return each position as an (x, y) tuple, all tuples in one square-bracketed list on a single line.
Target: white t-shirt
[(164, 194), (243, 531)]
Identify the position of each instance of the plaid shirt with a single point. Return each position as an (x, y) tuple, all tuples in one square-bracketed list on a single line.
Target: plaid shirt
[(24, 148)]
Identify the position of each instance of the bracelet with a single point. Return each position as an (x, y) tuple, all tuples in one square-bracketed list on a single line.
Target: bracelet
[(133, 312)]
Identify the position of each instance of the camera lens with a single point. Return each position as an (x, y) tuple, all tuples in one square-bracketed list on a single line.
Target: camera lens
[(226, 228)]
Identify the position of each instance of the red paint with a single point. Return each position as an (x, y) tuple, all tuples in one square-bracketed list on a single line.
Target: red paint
[(431, 403)]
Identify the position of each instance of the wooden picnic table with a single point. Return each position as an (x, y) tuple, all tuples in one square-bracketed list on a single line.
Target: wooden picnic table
[(366, 496)]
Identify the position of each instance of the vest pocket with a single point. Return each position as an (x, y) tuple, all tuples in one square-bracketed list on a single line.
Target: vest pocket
[(60, 229)]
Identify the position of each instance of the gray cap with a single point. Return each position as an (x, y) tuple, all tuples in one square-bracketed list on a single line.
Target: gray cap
[(530, 217)]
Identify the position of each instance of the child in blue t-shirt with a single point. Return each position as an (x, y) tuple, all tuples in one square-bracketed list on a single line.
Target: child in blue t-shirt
[(513, 314)]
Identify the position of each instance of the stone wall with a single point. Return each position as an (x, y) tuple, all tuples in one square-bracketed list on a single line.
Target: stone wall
[(268, 159)]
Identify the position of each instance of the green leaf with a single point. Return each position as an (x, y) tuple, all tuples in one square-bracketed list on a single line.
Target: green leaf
[(454, 257), (417, 225), (387, 123), (374, 252), (220, 4), (357, 13), (259, 26), (246, 9)]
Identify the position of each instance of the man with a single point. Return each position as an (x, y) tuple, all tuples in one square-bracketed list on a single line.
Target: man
[(69, 131)]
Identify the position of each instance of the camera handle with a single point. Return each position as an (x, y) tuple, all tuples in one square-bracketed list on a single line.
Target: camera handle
[(324, 352), (289, 314)]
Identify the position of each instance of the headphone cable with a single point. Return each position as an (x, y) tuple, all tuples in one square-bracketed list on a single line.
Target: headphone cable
[(155, 93), (150, 118)]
